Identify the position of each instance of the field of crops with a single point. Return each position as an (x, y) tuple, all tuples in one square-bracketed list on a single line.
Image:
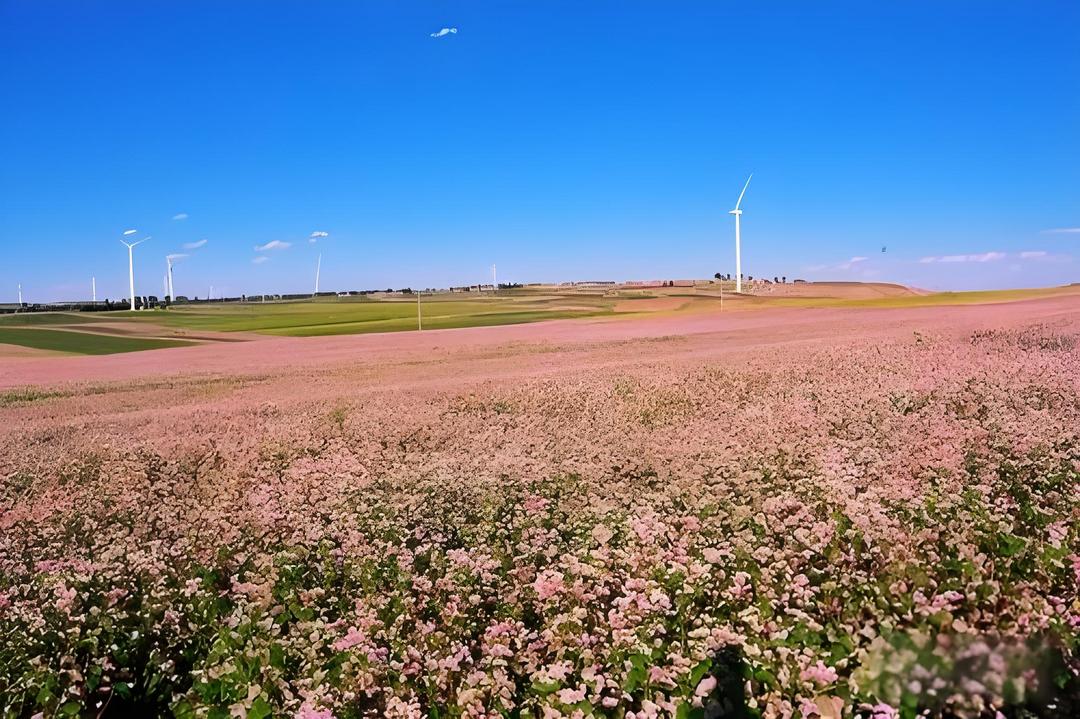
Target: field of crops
[(80, 342), (877, 520)]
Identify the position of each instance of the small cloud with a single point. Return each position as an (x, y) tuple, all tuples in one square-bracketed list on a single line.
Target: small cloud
[(314, 237), (175, 256), (984, 257), (444, 32), (259, 260), (180, 216), (1063, 231), (850, 263), (273, 245), (1032, 255), (194, 245)]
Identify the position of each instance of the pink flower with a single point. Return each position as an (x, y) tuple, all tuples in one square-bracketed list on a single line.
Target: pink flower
[(548, 584), (712, 556), (819, 673), (351, 639), (309, 712), (571, 696), (705, 686), (65, 597), (884, 711)]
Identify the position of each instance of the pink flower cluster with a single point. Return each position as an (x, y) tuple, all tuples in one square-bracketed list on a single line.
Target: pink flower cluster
[(627, 536)]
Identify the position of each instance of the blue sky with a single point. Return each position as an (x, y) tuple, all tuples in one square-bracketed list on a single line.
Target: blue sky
[(560, 140)]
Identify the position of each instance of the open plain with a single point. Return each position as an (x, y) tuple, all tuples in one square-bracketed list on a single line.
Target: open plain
[(785, 510)]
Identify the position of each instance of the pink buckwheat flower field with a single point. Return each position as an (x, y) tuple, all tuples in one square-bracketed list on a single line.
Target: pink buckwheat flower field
[(785, 513)]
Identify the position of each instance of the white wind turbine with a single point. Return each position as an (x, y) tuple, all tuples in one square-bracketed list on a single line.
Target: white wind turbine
[(169, 260), (738, 240), (318, 268), (168, 278), (131, 264)]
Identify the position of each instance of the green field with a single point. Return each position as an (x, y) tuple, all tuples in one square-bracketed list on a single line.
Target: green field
[(80, 342), (109, 332), (334, 316)]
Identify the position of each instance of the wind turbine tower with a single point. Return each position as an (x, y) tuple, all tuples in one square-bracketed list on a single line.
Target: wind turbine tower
[(318, 268), (131, 265), (20, 293), (738, 240), (169, 285), (93, 289), (494, 281)]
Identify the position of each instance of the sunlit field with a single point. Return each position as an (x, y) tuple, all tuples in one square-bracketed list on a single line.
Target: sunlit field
[(110, 332), (843, 512)]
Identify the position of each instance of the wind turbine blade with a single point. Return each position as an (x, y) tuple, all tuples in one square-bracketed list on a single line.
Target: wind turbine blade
[(744, 190)]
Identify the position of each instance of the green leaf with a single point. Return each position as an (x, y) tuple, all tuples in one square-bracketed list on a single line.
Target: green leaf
[(698, 673), (688, 711), (277, 657), (259, 709), (70, 709), (183, 710), (1010, 544)]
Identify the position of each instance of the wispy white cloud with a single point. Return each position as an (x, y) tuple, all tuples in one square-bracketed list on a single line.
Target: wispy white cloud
[(1032, 254), (983, 257), (1063, 231), (194, 245), (314, 237), (444, 32), (259, 260), (273, 245), (176, 256), (180, 216), (850, 263)]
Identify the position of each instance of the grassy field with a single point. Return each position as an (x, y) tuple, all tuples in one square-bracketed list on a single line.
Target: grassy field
[(108, 332), (334, 316), (80, 342)]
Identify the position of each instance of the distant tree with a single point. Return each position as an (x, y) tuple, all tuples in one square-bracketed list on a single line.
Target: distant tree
[(776, 280), (784, 279), (718, 276)]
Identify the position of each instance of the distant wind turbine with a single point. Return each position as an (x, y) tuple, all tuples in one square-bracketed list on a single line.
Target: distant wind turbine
[(131, 264), (93, 289), (738, 239), (318, 268), (20, 293), (494, 282), (168, 281)]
